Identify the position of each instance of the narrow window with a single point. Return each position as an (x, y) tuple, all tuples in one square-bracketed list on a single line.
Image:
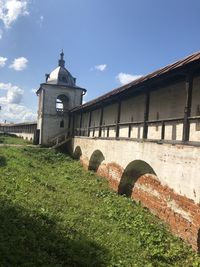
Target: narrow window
[(62, 124)]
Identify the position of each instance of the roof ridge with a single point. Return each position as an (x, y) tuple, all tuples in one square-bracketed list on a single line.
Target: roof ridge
[(158, 72)]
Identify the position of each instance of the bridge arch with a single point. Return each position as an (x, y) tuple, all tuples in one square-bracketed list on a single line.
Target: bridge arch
[(95, 161), (134, 170), (77, 153), (198, 241)]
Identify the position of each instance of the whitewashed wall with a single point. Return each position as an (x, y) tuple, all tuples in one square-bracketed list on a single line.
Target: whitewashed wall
[(48, 118), (175, 166)]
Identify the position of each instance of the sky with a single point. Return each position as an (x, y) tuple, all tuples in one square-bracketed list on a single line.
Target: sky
[(106, 43)]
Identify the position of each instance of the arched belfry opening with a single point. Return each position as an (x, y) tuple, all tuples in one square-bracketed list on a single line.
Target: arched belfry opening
[(131, 174), (62, 103)]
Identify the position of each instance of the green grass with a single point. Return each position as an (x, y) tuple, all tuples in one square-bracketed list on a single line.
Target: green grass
[(53, 213), (13, 140)]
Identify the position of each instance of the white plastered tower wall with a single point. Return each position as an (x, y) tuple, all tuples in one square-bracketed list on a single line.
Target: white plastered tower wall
[(56, 98)]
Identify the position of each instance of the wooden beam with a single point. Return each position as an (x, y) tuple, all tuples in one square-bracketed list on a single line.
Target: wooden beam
[(73, 124), (187, 110), (101, 121), (118, 118), (89, 123), (146, 115), (69, 125), (129, 131), (163, 131), (108, 128), (80, 125)]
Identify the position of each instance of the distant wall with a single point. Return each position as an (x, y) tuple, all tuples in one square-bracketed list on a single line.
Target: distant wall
[(24, 130), (26, 136)]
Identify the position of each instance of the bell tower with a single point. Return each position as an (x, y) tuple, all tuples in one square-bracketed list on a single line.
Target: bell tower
[(57, 96)]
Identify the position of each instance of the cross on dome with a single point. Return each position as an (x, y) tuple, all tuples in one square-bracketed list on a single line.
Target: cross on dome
[(61, 61), (60, 75)]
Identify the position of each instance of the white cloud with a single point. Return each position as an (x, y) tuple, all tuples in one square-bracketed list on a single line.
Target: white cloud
[(19, 63), (17, 113), (3, 61), (1, 34), (10, 10), (14, 94), (100, 67), (125, 78), (85, 98), (33, 91), (41, 19), (12, 109)]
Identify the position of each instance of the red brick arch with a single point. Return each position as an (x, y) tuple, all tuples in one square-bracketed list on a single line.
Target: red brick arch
[(96, 160), (131, 174)]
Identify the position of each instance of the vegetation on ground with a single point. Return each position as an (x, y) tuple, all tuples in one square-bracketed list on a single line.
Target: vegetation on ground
[(13, 140), (53, 213)]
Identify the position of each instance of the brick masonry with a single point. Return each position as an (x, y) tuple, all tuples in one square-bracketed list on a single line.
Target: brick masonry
[(181, 213)]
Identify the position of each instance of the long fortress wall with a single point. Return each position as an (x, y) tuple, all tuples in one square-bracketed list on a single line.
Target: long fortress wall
[(147, 144)]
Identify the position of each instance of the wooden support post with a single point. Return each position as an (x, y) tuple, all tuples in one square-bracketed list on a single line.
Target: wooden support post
[(101, 121), (146, 115), (108, 128), (80, 125), (69, 126), (163, 131), (89, 123), (187, 110), (129, 131), (73, 124), (118, 119)]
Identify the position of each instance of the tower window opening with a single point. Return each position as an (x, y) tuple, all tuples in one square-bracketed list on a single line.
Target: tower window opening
[(62, 103)]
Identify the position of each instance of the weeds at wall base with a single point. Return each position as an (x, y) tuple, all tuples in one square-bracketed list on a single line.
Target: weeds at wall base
[(53, 213)]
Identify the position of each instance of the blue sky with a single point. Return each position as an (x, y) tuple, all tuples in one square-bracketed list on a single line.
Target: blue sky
[(106, 43)]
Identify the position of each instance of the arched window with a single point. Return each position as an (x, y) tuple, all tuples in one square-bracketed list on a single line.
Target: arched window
[(62, 103)]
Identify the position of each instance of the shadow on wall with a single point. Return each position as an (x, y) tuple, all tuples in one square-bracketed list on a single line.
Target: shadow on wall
[(34, 239), (95, 160), (77, 153), (133, 171)]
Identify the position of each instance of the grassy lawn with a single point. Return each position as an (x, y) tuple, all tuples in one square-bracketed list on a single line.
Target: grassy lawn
[(53, 213), (11, 139)]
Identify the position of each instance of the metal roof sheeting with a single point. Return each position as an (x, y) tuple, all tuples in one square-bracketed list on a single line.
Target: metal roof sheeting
[(156, 74)]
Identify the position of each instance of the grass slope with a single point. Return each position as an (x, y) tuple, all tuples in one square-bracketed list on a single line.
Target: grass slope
[(53, 213)]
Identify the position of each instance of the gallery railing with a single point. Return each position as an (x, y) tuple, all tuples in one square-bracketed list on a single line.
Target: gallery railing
[(168, 130)]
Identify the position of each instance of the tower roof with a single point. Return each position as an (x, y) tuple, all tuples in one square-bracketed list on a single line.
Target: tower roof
[(60, 75)]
